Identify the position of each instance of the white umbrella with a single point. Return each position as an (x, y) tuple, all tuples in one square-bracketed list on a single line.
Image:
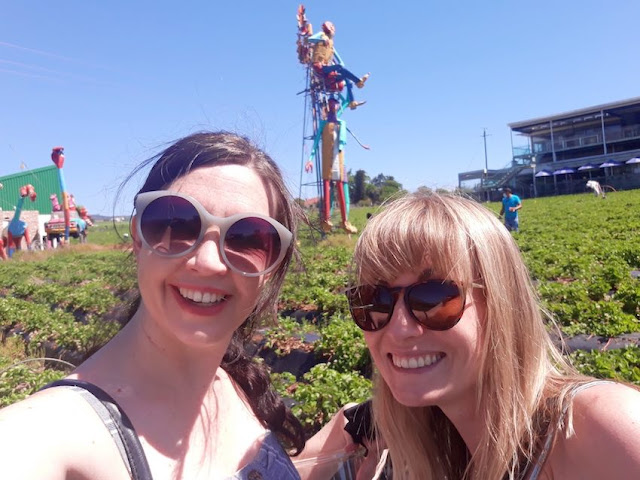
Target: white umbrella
[(588, 166), (564, 171), (610, 163)]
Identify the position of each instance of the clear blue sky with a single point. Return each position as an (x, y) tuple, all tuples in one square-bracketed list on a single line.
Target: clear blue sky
[(114, 81)]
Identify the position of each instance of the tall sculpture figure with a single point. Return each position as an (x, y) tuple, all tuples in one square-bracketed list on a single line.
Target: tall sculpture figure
[(328, 77)]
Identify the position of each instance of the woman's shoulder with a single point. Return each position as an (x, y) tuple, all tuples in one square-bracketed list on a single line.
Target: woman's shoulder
[(46, 408), (609, 407), (49, 433), (605, 434), (605, 406)]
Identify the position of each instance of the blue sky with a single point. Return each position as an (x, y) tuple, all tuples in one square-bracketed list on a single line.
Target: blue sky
[(113, 82)]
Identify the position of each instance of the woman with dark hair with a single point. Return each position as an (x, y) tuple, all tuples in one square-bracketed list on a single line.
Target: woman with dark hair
[(174, 395)]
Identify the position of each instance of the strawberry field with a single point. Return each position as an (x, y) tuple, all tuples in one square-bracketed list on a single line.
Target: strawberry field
[(583, 253)]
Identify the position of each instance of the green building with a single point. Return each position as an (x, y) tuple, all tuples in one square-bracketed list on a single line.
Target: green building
[(45, 180)]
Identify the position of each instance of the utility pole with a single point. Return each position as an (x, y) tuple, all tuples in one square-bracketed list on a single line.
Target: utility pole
[(486, 163)]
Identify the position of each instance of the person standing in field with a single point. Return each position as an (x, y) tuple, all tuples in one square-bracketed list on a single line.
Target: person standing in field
[(510, 205)]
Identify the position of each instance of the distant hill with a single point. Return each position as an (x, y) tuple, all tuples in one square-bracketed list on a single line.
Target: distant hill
[(104, 218)]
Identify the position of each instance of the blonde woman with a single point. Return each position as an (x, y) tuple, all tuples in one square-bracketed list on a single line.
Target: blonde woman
[(468, 384)]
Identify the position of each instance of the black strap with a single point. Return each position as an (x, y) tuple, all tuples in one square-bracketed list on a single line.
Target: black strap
[(135, 454), (360, 427), (360, 422)]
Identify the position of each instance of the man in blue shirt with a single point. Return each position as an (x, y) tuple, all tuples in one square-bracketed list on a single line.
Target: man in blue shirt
[(510, 205)]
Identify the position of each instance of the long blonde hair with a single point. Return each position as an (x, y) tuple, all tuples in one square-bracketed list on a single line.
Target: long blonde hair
[(523, 378)]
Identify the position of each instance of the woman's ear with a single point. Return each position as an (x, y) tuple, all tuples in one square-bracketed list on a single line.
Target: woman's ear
[(133, 229)]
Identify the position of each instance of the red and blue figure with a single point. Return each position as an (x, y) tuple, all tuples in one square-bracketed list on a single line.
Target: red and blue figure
[(327, 77), (328, 65), (57, 155), (345, 188)]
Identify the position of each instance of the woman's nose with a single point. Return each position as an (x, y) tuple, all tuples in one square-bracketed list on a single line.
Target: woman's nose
[(402, 324), (207, 258)]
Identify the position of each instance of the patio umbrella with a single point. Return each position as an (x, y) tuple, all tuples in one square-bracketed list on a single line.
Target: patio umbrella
[(564, 171), (541, 173), (610, 163), (589, 167), (633, 160)]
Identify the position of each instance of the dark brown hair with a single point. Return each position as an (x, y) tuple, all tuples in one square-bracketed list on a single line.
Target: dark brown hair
[(224, 148)]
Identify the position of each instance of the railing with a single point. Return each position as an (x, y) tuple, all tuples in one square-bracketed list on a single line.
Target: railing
[(559, 145), (505, 177), (521, 151)]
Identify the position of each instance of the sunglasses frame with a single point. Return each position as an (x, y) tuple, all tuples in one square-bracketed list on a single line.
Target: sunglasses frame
[(395, 293), (143, 200)]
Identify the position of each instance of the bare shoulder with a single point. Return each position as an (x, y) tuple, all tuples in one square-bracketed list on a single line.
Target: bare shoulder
[(608, 407), (606, 421), (32, 434), (49, 434), (39, 412)]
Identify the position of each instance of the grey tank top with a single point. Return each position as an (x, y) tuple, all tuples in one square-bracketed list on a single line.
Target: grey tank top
[(534, 470), (270, 463)]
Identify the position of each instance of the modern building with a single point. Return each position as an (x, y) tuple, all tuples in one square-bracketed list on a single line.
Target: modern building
[(558, 154)]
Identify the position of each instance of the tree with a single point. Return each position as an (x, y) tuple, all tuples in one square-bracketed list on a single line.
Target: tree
[(382, 187), (359, 186), (380, 180)]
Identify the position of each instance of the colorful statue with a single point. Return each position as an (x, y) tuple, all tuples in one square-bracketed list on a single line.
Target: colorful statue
[(55, 206), (79, 219), (327, 78), (3, 254), (334, 137), (84, 215), (327, 64), (345, 188), (18, 228), (57, 156), (83, 220)]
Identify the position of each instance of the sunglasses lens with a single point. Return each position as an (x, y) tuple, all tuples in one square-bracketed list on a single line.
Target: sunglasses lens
[(252, 245), (370, 306), (170, 225), (436, 304)]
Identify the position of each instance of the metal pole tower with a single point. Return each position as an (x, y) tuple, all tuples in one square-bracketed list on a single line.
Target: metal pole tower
[(486, 163)]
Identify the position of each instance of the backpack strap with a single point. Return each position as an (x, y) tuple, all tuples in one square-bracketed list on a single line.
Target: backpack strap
[(117, 423)]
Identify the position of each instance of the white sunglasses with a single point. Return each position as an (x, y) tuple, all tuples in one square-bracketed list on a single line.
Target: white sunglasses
[(172, 224)]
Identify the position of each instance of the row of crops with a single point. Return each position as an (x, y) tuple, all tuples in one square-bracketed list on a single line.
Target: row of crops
[(583, 253)]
